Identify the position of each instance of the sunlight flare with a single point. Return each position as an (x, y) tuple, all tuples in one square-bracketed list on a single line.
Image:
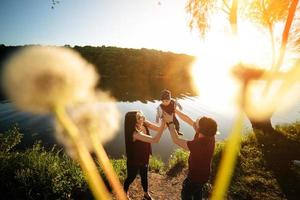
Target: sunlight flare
[(221, 52)]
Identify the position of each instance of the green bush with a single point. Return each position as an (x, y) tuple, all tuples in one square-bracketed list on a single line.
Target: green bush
[(119, 166), (156, 164), (252, 178), (261, 171), (10, 139), (37, 173), (177, 161)]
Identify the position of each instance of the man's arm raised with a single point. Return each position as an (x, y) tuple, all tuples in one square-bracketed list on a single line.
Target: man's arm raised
[(184, 117), (179, 141)]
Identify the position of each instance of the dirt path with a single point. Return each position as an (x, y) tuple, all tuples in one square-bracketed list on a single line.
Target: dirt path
[(161, 187)]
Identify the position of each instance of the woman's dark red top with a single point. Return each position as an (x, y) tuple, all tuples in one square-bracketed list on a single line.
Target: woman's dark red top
[(141, 152)]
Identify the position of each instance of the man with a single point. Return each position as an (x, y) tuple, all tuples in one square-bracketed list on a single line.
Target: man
[(201, 152)]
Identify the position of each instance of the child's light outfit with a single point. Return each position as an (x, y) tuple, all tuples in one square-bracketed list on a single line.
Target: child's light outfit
[(170, 109)]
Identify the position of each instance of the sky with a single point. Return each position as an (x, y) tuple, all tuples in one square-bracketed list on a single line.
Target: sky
[(153, 24), (150, 24)]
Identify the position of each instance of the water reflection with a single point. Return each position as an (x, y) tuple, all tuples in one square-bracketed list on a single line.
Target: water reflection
[(133, 95), (145, 89), (41, 127), (34, 127), (191, 105)]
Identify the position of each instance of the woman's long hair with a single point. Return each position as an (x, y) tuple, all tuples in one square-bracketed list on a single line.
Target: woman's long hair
[(130, 122)]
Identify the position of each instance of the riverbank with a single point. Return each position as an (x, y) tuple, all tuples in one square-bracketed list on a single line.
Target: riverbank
[(261, 171)]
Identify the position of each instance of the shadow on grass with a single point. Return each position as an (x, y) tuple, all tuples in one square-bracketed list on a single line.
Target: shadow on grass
[(280, 147)]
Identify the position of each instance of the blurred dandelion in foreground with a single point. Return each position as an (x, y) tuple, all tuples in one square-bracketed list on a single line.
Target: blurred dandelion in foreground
[(95, 120), (50, 79), (282, 94), (38, 78), (259, 105), (97, 124)]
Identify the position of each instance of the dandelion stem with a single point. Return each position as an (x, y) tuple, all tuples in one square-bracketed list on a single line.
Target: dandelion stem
[(85, 160), (228, 160), (108, 170)]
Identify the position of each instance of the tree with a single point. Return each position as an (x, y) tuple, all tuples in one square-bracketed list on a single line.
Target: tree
[(201, 11), (54, 3), (266, 13), (263, 12)]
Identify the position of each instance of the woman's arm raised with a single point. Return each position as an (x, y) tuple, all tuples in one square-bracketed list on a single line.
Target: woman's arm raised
[(153, 126), (148, 138)]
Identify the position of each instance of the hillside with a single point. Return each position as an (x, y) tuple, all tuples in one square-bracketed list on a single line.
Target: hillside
[(40, 173)]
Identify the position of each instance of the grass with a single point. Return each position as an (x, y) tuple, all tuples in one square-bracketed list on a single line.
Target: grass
[(37, 173), (252, 178), (177, 161), (264, 167), (156, 164), (263, 171)]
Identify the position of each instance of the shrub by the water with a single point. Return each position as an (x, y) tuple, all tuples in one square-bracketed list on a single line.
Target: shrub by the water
[(177, 161), (262, 171), (36, 173), (156, 164)]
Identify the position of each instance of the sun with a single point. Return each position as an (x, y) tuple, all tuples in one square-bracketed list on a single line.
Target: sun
[(213, 80), (221, 51)]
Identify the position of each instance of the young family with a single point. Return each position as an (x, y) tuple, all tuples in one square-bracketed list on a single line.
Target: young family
[(138, 146)]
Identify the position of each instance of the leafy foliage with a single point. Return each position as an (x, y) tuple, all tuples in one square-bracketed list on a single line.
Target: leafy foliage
[(267, 12), (10, 139), (119, 166), (156, 164), (264, 168), (177, 161), (36, 173)]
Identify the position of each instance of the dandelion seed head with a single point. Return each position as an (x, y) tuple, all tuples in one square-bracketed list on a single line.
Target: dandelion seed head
[(37, 78), (260, 104), (96, 121), (262, 98), (281, 96)]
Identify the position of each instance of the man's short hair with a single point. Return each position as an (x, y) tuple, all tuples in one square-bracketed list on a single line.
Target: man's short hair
[(207, 126)]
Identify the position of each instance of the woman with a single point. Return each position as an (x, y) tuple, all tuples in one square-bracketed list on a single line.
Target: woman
[(138, 147)]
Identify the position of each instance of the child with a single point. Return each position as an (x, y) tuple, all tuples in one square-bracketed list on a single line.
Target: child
[(169, 106)]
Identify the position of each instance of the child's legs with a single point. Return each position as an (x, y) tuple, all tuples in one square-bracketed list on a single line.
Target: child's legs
[(176, 123)]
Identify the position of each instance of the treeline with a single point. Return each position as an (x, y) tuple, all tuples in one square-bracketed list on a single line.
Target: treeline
[(124, 62), (133, 74)]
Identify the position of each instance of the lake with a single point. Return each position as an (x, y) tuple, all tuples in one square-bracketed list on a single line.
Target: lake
[(41, 127)]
